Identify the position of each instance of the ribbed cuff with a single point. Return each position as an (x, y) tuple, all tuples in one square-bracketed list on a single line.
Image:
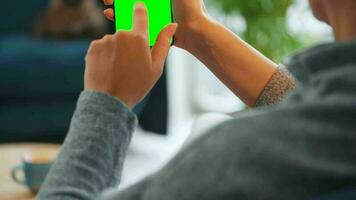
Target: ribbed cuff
[(281, 83)]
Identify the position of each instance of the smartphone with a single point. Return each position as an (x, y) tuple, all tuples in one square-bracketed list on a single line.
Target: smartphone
[(159, 15)]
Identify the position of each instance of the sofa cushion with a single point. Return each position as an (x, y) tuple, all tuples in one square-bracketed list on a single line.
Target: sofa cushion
[(34, 68)]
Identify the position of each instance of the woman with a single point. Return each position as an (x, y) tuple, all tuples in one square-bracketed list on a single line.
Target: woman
[(298, 149)]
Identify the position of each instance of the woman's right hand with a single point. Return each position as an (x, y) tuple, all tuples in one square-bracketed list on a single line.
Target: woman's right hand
[(188, 14), (123, 65)]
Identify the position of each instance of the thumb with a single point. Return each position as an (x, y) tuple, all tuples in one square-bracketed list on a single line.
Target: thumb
[(161, 48)]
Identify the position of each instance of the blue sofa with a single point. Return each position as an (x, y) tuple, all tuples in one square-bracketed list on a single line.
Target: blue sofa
[(40, 79)]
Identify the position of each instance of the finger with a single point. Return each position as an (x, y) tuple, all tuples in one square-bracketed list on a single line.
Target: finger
[(108, 2), (140, 19), (161, 48), (109, 13)]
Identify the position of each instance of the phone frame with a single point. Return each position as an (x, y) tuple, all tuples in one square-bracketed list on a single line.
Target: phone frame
[(172, 20)]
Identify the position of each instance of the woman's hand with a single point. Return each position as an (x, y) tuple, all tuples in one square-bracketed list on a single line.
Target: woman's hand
[(123, 65), (189, 14)]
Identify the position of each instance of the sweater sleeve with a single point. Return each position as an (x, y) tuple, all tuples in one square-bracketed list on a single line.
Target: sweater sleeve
[(281, 83), (261, 155), (91, 158)]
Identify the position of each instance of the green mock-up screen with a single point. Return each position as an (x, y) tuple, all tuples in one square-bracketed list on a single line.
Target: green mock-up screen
[(159, 13)]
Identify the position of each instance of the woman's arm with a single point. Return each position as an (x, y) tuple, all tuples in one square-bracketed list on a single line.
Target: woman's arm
[(92, 156), (242, 68), (124, 67)]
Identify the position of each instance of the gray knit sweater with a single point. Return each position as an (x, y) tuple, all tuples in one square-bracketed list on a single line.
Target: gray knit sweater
[(303, 147)]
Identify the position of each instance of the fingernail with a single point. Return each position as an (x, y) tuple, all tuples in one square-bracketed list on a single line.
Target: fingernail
[(106, 3), (140, 5)]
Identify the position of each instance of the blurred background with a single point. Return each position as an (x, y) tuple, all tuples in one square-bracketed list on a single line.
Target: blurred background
[(41, 75)]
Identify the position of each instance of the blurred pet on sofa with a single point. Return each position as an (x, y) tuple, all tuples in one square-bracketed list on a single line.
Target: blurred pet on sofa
[(71, 19)]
